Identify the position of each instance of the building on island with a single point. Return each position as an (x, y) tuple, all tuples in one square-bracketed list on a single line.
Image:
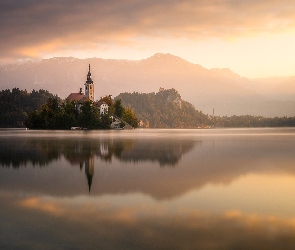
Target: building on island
[(103, 107), (89, 87), (88, 95)]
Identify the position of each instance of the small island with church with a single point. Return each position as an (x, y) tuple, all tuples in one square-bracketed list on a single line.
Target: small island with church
[(81, 111)]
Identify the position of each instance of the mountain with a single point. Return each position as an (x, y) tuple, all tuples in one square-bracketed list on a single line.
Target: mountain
[(221, 89)]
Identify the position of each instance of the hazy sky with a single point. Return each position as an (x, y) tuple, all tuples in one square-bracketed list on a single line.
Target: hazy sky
[(251, 37)]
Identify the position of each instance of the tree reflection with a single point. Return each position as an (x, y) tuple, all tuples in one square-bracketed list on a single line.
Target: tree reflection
[(42, 151), (86, 152), (126, 164)]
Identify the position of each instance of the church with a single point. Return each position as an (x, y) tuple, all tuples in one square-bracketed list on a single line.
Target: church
[(88, 95)]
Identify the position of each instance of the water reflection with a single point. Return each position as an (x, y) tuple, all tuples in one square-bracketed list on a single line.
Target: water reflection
[(88, 152), (136, 223), (126, 165), (17, 152), (180, 190)]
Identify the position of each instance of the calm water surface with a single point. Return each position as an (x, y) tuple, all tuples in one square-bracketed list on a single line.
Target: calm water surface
[(147, 189)]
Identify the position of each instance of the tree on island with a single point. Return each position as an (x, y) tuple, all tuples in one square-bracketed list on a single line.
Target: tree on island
[(57, 115), (130, 117), (126, 114), (52, 115), (118, 108)]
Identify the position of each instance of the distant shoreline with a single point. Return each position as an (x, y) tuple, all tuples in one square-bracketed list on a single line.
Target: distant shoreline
[(14, 129)]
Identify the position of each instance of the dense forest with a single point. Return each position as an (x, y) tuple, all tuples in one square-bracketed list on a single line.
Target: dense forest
[(164, 109), (15, 105)]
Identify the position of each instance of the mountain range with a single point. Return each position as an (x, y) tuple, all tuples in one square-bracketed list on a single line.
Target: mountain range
[(220, 89)]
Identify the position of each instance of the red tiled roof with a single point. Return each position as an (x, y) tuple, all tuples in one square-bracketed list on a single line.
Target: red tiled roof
[(75, 97), (84, 99)]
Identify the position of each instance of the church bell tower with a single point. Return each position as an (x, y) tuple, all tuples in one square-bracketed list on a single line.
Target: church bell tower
[(89, 87)]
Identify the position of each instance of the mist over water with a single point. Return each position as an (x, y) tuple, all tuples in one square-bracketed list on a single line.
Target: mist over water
[(143, 189)]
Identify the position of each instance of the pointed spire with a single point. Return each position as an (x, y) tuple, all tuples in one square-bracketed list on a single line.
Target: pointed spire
[(89, 74), (89, 171), (89, 179), (89, 87)]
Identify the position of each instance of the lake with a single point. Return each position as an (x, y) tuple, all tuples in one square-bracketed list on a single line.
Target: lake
[(148, 189)]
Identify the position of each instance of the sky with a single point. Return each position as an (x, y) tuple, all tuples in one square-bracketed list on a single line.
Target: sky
[(254, 38)]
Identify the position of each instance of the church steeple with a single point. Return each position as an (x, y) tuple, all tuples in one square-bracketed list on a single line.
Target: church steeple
[(89, 86), (89, 75)]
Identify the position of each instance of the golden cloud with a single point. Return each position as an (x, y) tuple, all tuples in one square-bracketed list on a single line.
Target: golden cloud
[(32, 28), (156, 225)]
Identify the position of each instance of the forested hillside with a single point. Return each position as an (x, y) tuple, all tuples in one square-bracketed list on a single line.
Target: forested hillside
[(164, 109), (16, 104)]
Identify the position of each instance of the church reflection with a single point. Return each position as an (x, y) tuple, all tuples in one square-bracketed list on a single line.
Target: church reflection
[(89, 153), (89, 171)]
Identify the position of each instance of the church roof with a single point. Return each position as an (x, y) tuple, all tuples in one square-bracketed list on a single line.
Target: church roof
[(84, 99), (75, 97)]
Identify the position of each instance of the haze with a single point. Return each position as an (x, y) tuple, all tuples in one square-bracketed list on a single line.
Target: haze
[(252, 38)]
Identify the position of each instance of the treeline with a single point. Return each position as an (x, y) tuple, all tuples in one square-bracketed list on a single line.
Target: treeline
[(164, 109), (252, 121), (63, 115), (15, 105)]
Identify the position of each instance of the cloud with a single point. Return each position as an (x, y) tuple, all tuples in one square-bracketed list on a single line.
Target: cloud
[(91, 222), (33, 28)]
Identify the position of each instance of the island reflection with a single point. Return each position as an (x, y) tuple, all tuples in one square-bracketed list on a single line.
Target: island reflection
[(128, 165), (42, 151), (88, 154)]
